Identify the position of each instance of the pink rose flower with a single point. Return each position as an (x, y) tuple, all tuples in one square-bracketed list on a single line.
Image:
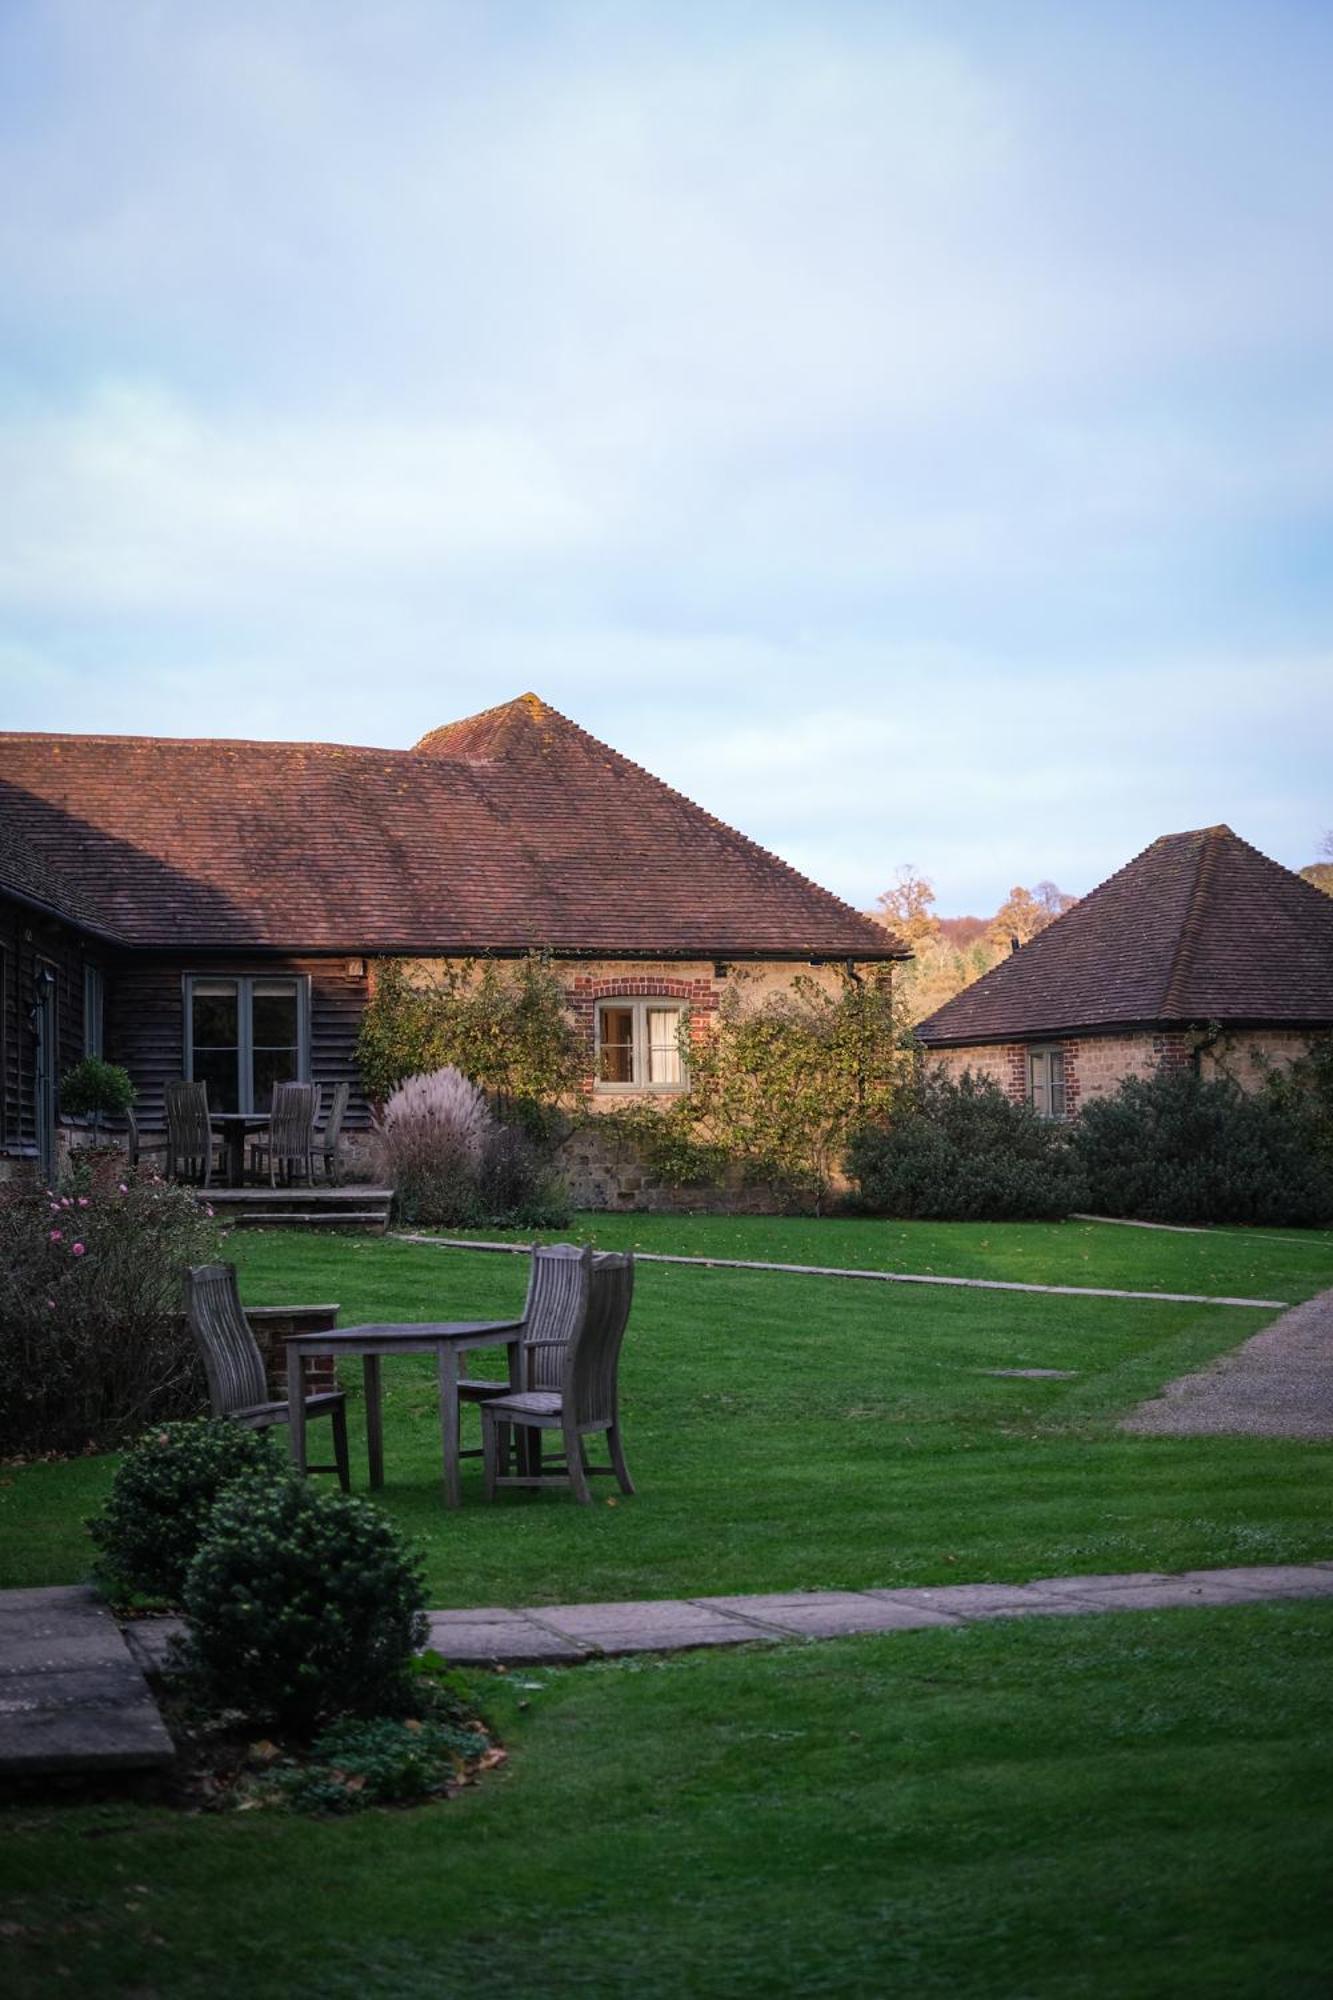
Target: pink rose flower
[(52, 1304), (122, 1189), (83, 1201), (76, 1249), (57, 1235)]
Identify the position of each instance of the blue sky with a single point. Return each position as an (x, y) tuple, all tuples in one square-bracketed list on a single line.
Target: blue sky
[(907, 428)]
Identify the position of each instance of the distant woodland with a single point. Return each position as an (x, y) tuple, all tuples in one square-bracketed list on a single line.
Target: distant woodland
[(950, 952)]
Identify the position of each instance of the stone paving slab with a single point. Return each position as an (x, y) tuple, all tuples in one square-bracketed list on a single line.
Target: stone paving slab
[(827, 1614), (150, 1641), (72, 1699), (983, 1600), (501, 1636), (1271, 1580), (654, 1626)]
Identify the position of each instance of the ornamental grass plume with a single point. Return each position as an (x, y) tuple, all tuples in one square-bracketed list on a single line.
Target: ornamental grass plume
[(431, 1140)]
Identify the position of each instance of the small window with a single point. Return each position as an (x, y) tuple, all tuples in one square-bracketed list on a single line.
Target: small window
[(94, 1009), (638, 1045), (1046, 1082)]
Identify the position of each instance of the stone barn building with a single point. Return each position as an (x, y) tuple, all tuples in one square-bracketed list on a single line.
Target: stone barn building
[(1200, 951)]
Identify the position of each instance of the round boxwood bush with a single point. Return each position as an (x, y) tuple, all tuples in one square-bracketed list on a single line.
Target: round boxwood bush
[(302, 1607), (161, 1497)]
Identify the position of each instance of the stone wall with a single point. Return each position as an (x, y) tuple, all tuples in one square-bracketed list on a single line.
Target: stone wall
[(698, 984), (602, 1171), (1096, 1065)]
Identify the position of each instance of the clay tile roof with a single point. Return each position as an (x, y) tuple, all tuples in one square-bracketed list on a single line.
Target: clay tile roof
[(29, 876), (1199, 927), (510, 830)]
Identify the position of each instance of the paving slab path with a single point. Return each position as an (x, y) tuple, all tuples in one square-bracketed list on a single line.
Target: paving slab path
[(501, 1635), (1277, 1384), (72, 1699)]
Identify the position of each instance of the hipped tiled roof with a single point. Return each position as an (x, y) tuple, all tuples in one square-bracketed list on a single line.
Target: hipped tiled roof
[(509, 831), (33, 879), (1199, 927)]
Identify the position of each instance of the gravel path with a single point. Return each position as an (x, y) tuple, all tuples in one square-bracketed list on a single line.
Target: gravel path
[(1278, 1384)]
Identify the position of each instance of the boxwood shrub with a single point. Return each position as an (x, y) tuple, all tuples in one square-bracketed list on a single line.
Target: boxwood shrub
[(162, 1494), (302, 1607)]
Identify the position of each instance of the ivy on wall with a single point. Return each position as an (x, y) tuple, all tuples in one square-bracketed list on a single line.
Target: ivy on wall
[(776, 1087), (506, 1026)]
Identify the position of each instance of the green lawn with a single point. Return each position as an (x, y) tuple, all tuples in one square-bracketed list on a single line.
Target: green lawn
[(793, 1432), (1128, 1806), (1269, 1264)]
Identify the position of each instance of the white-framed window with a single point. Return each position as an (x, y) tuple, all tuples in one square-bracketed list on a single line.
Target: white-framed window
[(94, 1010), (244, 1033), (1046, 1081), (638, 1045)]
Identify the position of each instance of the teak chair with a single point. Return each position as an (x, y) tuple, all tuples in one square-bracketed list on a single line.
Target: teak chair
[(559, 1280), (237, 1382), (191, 1142), (290, 1139), (332, 1132), (585, 1402), (138, 1147)]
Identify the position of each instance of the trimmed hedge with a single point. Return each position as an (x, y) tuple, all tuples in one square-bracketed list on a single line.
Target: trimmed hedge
[(962, 1151), (1176, 1147)]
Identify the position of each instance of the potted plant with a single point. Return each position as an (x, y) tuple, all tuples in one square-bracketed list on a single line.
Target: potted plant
[(96, 1089)]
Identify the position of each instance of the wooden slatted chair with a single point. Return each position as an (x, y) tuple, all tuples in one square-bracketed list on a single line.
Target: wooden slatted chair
[(332, 1132), (559, 1279), (586, 1401), (141, 1147), (237, 1383), (191, 1141), (290, 1139)]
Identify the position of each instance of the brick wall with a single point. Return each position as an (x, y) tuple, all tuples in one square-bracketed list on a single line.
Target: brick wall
[(1096, 1065)]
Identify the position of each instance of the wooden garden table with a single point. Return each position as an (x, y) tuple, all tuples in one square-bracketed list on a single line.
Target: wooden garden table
[(445, 1339), (235, 1127)]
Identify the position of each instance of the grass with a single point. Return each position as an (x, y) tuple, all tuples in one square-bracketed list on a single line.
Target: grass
[(791, 1432), (1240, 1263), (1130, 1805)]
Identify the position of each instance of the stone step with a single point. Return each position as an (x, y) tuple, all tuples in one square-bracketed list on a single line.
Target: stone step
[(373, 1219), (72, 1698)]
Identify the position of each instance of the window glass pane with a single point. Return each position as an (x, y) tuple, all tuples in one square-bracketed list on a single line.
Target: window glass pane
[(273, 1013), (1038, 1092), (272, 1066), (617, 1045), (215, 1014), (663, 1048), (1057, 1083), (217, 1068)]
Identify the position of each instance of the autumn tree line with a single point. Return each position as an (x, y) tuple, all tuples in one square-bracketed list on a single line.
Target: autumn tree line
[(950, 952)]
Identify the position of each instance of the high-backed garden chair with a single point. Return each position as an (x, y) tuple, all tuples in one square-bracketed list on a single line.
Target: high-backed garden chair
[(585, 1402), (290, 1139), (141, 1147), (191, 1141), (559, 1280), (332, 1131), (237, 1382)]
